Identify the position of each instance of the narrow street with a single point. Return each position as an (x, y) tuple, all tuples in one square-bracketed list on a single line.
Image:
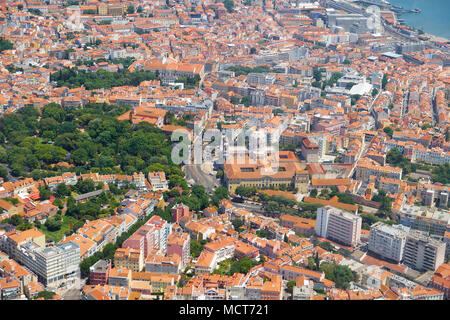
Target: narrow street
[(195, 173)]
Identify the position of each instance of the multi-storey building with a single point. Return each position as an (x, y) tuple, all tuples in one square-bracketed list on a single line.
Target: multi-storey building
[(303, 289), (14, 239), (338, 225), (284, 171), (163, 264), (163, 229), (423, 253), (158, 181), (429, 220), (310, 151), (129, 258), (367, 167), (441, 279), (178, 211), (222, 249), (388, 241), (143, 239), (9, 288), (292, 273), (99, 272), (179, 243), (51, 264)]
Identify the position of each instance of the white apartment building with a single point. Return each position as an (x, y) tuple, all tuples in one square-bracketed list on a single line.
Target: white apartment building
[(222, 249), (434, 156), (162, 231), (388, 241), (338, 225), (52, 264), (158, 181)]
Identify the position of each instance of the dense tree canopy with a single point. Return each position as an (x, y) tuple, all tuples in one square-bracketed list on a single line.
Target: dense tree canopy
[(442, 174), (74, 78), (5, 45), (91, 138), (341, 275)]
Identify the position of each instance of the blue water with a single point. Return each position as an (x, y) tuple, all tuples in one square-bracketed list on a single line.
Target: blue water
[(434, 18)]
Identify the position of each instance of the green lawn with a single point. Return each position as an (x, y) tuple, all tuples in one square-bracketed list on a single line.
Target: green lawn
[(58, 235)]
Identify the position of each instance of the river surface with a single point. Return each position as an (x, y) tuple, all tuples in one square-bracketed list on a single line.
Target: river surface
[(434, 18)]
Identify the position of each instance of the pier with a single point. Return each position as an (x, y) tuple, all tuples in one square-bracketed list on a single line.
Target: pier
[(383, 5)]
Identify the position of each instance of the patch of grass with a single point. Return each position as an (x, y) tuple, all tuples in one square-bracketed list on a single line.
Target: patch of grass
[(58, 235)]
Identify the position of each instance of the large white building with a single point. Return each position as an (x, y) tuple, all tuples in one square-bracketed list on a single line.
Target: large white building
[(51, 264), (388, 241), (338, 225), (434, 155)]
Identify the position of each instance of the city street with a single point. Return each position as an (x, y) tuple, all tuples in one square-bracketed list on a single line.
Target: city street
[(194, 172)]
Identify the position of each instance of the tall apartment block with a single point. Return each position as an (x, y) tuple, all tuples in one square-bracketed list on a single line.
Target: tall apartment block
[(163, 230), (338, 225), (387, 241), (423, 253)]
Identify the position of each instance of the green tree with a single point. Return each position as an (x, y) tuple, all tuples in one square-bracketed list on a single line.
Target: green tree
[(85, 186), (384, 81), (317, 74), (79, 156), (201, 195), (246, 192), (325, 193), (246, 101), (272, 207), (47, 295), (5, 45), (62, 190), (3, 173), (374, 92), (327, 246), (389, 131), (220, 193), (229, 5), (131, 9), (237, 224), (24, 226), (53, 225), (197, 247), (290, 286), (44, 193), (441, 173), (109, 250), (16, 220)]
